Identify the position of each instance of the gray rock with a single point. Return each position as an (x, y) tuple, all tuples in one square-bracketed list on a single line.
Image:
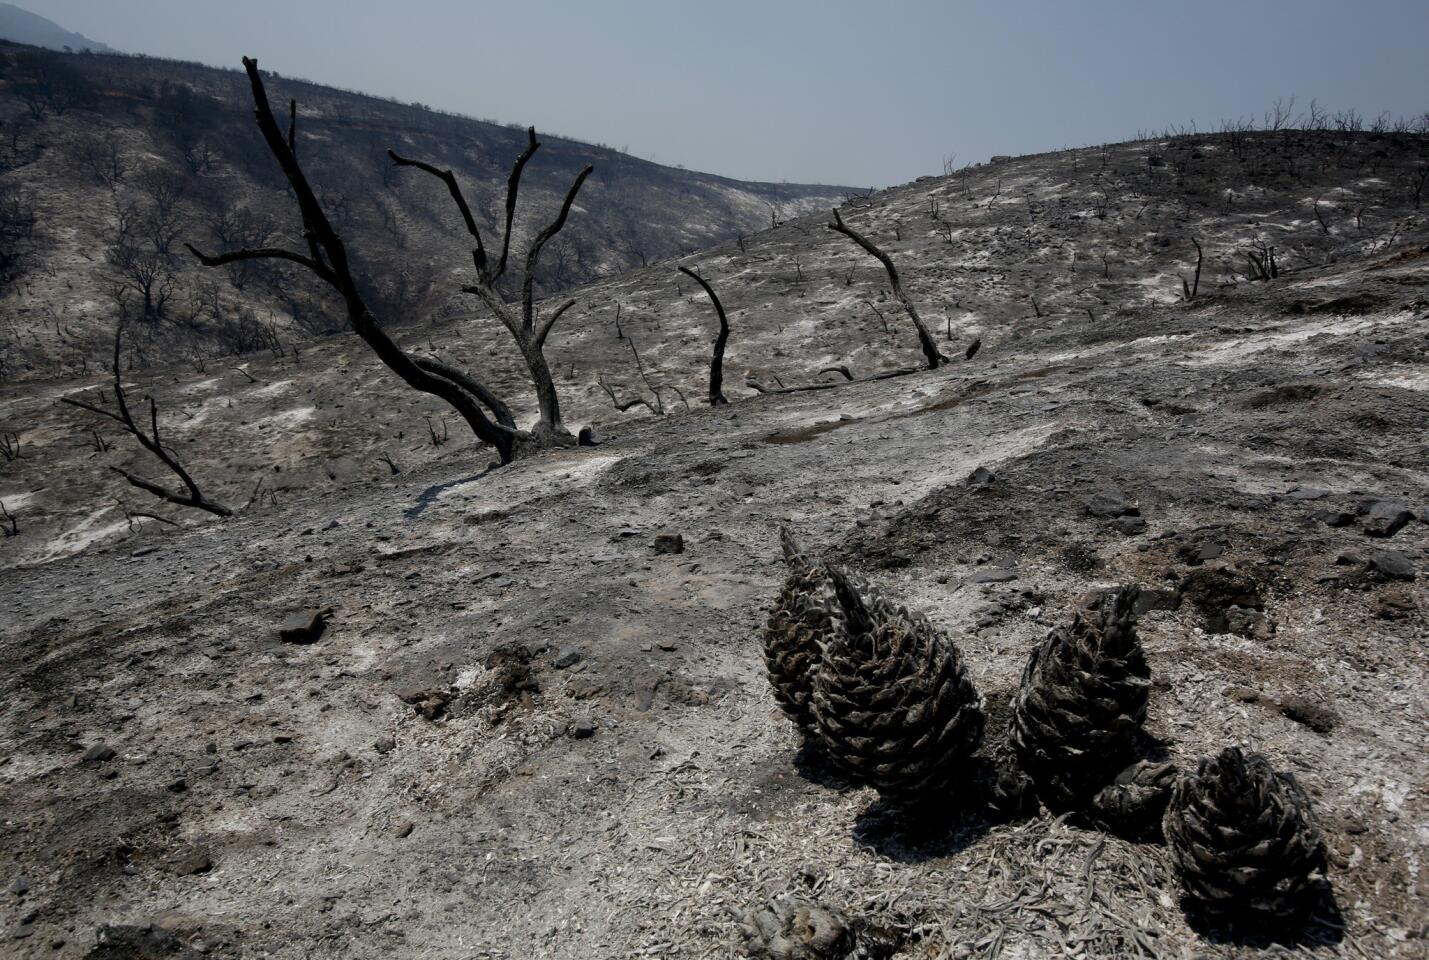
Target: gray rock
[(98, 753), (1131, 526), (582, 729), (304, 626), (1111, 503), (1392, 564), (979, 477), (195, 863), (1148, 600), (993, 575), (669, 543), (1384, 518), (567, 658)]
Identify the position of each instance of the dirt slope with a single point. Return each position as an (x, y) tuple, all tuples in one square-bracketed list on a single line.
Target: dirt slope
[(266, 798)]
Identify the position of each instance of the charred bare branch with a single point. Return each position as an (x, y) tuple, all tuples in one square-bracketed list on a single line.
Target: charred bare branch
[(717, 397), (1191, 289), (327, 258), (925, 339), (191, 495), (530, 336)]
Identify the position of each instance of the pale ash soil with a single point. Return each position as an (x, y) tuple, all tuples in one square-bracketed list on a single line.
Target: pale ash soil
[(293, 772)]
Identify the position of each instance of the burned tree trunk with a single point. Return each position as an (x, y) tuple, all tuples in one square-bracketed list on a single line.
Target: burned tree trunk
[(717, 358), (925, 340), (191, 495), (327, 258), (518, 318)]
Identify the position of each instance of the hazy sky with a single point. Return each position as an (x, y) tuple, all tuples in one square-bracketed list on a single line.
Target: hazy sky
[(842, 92)]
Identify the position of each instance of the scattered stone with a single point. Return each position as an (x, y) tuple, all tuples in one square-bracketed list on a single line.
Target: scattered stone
[(1249, 623), (587, 437), (1335, 518), (1209, 551), (98, 753), (1392, 564), (1317, 716), (1111, 503), (429, 704), (304, 627), (384, 745), (179, 786), (666, 645), (582, 729), (993, 575), (1148, 600), (1242, 694), (1302, 494), (1395, 603), (188, 866), (980, 477), (1384, 518), (567, 658), (122, 942), (1131, 526), (404, 830), (20, 886), (667, 543)]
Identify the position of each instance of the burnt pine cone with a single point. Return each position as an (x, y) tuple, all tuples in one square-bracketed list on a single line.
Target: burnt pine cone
[(1244, 839), (1082, 702), (794, 928), (893, 699), (804, 619), (1134, 803)]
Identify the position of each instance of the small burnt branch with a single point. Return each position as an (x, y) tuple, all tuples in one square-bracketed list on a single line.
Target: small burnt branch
[(622, 405), (717, 397), (1320, 217), (13, 528), (387, 459), (1191, 289), (191, 495), (879, 314), (925, 340), (659, 406), (10, 445)]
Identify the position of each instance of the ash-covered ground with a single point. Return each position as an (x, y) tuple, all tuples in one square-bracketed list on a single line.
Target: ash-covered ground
[(527, 733)]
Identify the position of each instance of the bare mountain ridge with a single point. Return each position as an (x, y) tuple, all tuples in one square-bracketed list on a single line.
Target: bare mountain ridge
[(21, 26), (146, 154)]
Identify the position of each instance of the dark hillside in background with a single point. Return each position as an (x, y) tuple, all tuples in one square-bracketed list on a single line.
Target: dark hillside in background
[(109, 164)]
